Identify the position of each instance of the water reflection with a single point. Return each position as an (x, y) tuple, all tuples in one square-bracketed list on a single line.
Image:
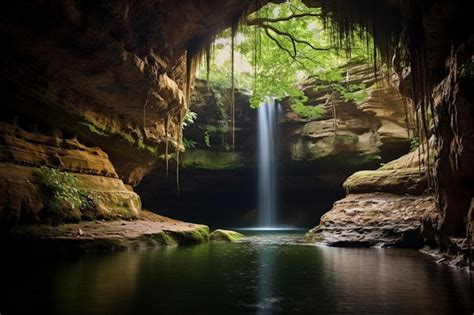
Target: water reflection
[(267, 301), (262, 275)]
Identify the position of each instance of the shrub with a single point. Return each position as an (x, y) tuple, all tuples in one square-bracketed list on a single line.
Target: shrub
[(66, 200)]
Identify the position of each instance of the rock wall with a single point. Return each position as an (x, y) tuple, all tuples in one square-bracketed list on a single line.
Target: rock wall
[(433, 59), (315, 159), (361, 132), (104, 77), (384, 207), (110, 72), (24, 197), (357, 130)]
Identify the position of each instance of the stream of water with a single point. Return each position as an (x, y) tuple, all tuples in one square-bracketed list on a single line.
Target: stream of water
[(266, 273), (267, 149)]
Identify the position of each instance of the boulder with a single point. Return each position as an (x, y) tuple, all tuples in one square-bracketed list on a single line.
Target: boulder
[(374, 219), (384, 207), (225, 235)]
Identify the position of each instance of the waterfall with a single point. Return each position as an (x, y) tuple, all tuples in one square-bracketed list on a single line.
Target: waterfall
[(267, 150)]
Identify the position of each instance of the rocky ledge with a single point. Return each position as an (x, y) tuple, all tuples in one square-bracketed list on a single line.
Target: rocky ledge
[(384, 207), (151, 230)]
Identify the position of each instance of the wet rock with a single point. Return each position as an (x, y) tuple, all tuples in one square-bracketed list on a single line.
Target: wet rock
[(225, 235), (151, 230), (400, 181), (384, 207), (374, 219)]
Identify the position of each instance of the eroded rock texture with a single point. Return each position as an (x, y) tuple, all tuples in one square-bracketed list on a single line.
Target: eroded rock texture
[(355, 132), (384, 207), (101, 78), (24, 197), (430, 47), (111, 72)]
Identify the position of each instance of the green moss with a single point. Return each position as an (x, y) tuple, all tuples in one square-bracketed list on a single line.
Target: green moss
[(93, 129), (105, 131), (144, 147), (212, 160), (190, 237), (154, 240), (225, 235), (347, 139)]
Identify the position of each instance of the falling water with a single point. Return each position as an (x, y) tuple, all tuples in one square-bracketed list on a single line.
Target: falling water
[(267, 159)]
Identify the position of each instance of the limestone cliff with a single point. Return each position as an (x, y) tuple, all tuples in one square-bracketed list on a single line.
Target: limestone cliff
[(384, 207), (429, 46), (101, 79), (354, 131), (24, 197)]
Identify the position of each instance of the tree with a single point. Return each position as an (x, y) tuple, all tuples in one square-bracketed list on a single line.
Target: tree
[(278, 48)]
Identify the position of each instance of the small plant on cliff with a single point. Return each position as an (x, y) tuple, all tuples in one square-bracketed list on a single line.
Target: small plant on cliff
[(189, 118), (414, 144), (207, 140), (311, 112), (67, 200), (189, 144), (352, 93)]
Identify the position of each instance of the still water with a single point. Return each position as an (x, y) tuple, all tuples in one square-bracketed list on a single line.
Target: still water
[(267, 273)]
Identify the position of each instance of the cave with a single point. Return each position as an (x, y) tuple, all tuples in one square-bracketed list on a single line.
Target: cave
[(247, 157)]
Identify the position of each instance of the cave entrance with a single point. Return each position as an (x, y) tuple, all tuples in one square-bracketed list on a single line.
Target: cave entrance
[(339, 114)]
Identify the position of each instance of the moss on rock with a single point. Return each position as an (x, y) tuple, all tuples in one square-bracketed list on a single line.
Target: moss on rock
[(225, 235), (212, 160)]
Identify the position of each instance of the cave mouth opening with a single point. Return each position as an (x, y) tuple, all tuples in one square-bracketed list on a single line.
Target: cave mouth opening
[(331, 121), (114, 78)]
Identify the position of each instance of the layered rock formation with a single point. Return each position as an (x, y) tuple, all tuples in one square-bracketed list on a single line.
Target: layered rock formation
[(104, 80), (355, 130), (91, 92), (112, 73), (385, 207), (24, 195), (149, 230), (429, 45), (314, 160)]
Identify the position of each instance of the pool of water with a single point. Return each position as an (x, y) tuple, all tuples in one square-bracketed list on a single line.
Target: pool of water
[(267, 273)]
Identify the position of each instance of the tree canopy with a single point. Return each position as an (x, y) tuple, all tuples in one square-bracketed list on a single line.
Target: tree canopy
[(276, 50)]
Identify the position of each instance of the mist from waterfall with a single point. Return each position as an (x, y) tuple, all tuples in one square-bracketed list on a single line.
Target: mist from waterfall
[(268, 116)]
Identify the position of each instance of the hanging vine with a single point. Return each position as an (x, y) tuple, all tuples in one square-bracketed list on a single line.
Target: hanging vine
[(232, 83), (167, 123), (179, 127)]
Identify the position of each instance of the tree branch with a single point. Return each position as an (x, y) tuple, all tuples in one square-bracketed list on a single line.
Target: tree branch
[(293, 56), (258, 21), (280, 45)]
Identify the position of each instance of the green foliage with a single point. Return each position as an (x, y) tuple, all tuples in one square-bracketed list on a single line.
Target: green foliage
[(269, 63), (312, 112), (351, 93), (469, 68), (67, 199), (414, 144), (221, 127), (189, 118), (189, 144), (207, 140)]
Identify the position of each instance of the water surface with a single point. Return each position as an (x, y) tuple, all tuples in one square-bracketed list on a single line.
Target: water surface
[(268, 273)]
